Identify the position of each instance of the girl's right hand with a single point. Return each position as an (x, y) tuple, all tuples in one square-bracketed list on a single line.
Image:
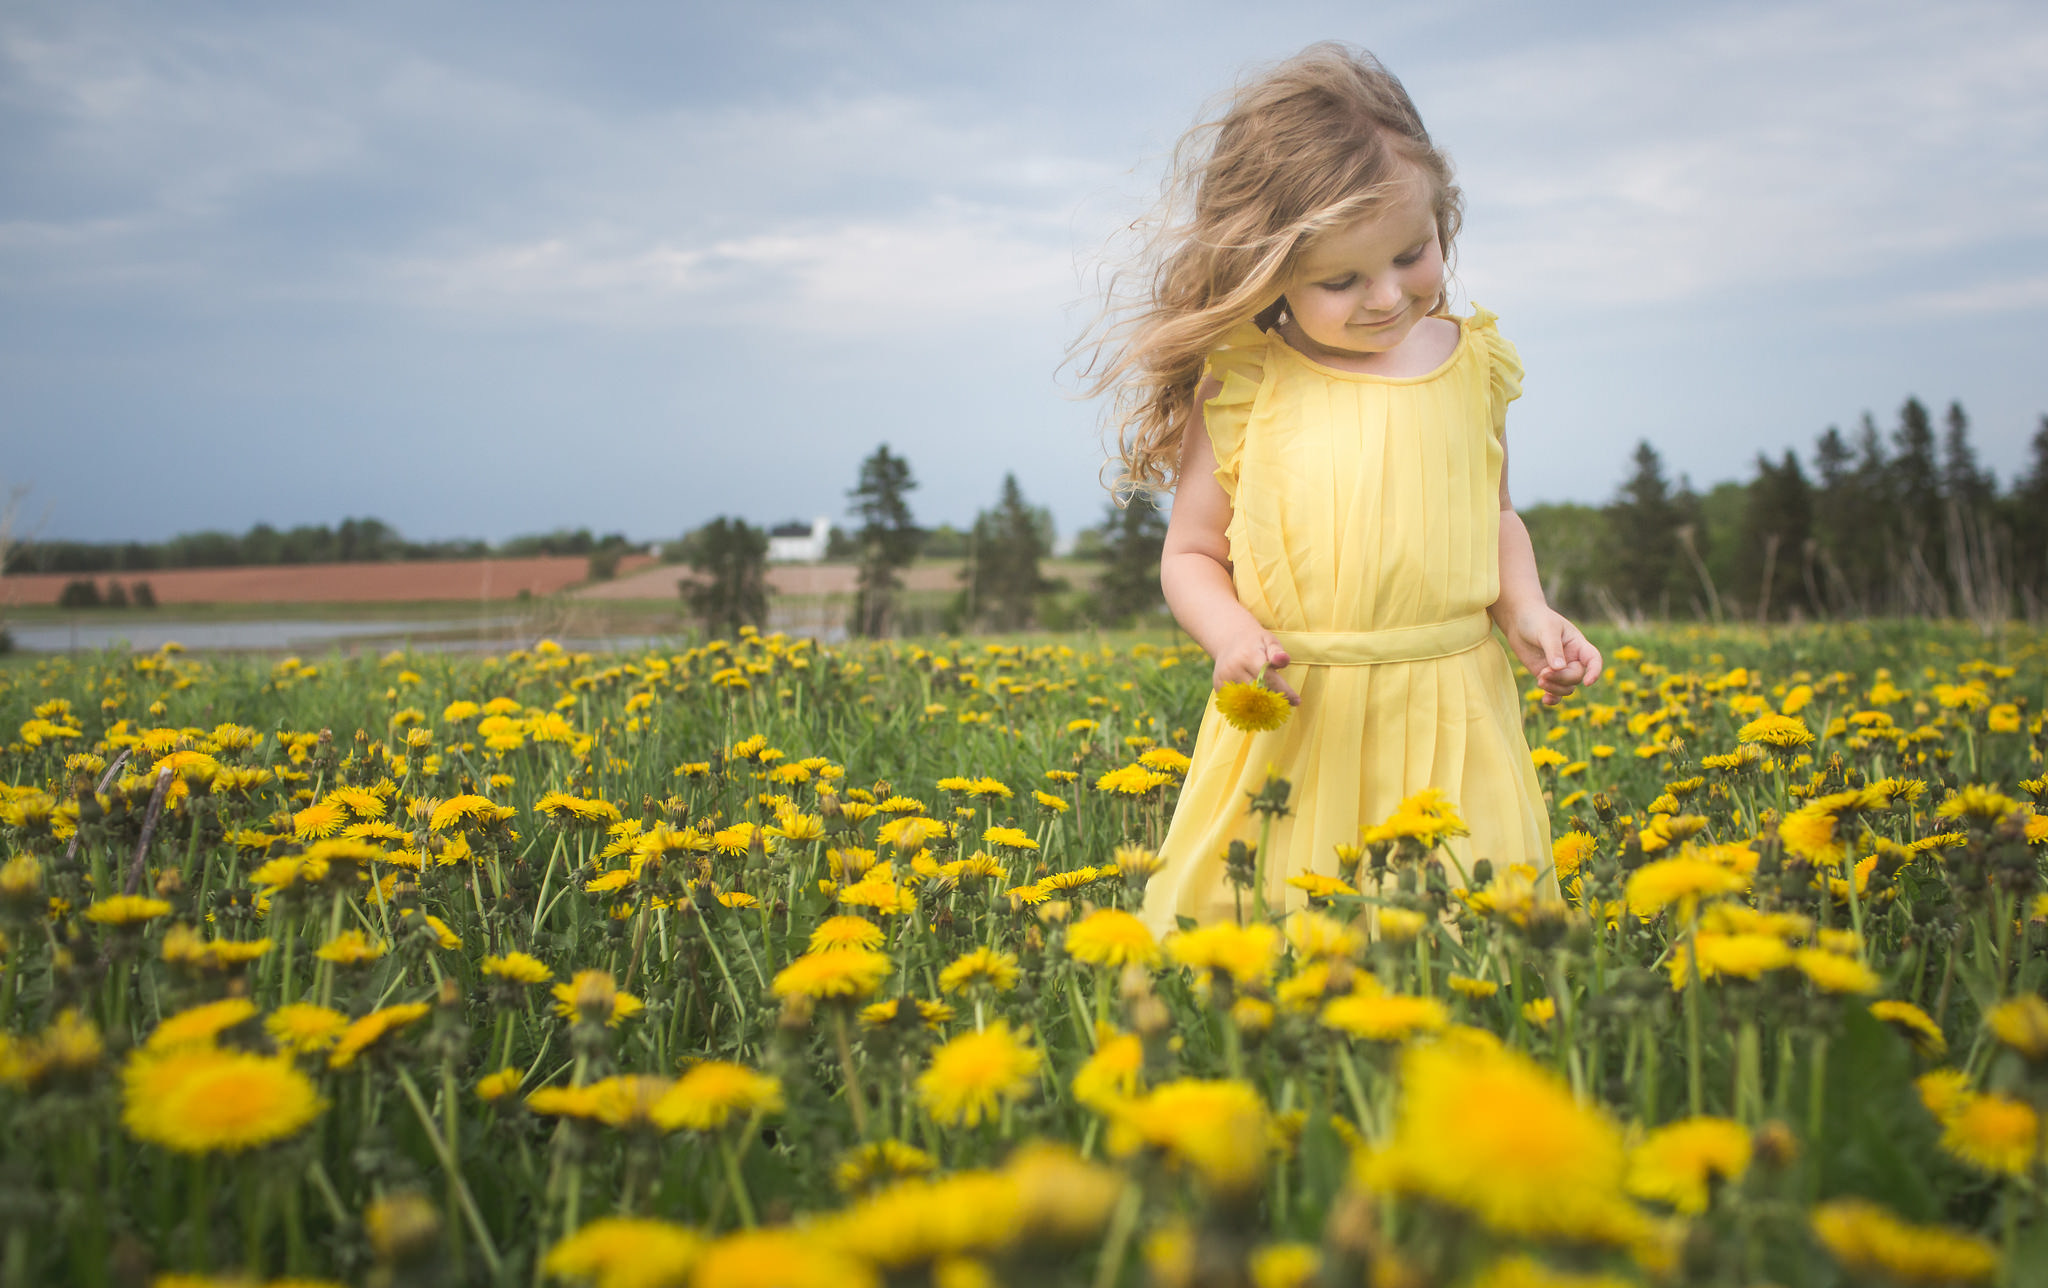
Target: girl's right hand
[(1243, 661)]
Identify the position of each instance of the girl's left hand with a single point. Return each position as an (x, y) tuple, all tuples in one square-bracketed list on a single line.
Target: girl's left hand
[(1556, 653)]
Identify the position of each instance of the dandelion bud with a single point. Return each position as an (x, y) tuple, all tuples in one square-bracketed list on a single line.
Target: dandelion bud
[(1775, 1146)]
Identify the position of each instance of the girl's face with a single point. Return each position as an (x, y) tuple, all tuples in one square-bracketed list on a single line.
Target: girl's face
[(1360, 289)]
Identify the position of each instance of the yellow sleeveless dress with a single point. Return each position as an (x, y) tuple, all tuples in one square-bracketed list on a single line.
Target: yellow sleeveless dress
[(1364, 532)]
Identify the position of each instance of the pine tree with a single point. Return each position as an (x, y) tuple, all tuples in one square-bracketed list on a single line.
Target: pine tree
[(1845, 515), (887, 541), (1132, 538), (732, 555), (1963, 483), (2026, 516), (1775, 566), (1002, 574), (1644, 522), (1915, 478)]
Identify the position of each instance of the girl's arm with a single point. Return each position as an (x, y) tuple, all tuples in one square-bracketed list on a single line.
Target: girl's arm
[(1556, 653), (1194, 568)]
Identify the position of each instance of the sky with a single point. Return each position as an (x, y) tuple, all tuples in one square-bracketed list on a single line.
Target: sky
[(481, 269)]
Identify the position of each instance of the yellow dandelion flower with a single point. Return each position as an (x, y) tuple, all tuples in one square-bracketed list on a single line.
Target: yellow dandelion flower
[(1976, 803), (1427, 818), (318, 821), (1319, 886), (881, 1162), (303, 1028), (517, 968), (972, 1074), (204, 1100), (1678, 1163), (1835, 973), (493, 1087), (126, 910), (2022, 1024), (1385, 1017), (1917, 1025), (1868, 1241), (1111, 937), (1401, 925), (846, 932), (713, 1091), (781, 1257), (1477, 989), (594, 997), (1994, 1132), (627, 1252), (1252, 708), (834, 973), (1776, 731), (1681, 881), (352, 948), (1487, 1131), (200, 1025), (1113, 1074), (371, 1029), (1246, 953), (1217, 1129), (1570, 850)]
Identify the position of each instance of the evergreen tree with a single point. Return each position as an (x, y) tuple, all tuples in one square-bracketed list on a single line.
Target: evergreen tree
[(1004, 550), (1775, 571), (887, 541), (1845, 516), (1643, 520), (1915, 487), (1132, 537), (1963, 483), (733, 558), (2026, 517)]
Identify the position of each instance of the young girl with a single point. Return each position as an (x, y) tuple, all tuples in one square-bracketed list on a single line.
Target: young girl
[(1335, 441)]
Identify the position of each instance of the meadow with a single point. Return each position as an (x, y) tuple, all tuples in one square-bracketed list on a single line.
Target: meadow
[(769, 963)]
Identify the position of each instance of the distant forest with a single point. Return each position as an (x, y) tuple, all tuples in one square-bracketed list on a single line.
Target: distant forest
[(1901, 521), (352, 541)]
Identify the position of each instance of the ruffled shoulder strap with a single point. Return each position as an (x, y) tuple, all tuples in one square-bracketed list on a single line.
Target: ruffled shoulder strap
[(1239, 366), (1503, 365)]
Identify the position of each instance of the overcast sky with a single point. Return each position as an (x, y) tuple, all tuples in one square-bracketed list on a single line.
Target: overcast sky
[(489, 268)]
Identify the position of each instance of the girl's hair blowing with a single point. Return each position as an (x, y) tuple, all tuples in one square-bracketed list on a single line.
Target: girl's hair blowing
[(1309, 145)]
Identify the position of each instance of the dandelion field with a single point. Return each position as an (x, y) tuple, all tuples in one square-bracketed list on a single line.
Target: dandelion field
[(769, 963)]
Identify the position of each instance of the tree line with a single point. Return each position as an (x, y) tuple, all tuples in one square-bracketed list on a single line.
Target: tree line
[(1902, 521), (363, 540)]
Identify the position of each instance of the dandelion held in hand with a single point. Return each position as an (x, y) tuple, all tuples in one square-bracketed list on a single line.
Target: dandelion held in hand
[(1252, 708)]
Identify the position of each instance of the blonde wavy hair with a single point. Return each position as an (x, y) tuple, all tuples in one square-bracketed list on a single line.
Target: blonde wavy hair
[(1310, 144)]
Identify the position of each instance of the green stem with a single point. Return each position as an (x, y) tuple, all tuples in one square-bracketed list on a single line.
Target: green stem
[(449, 1165)]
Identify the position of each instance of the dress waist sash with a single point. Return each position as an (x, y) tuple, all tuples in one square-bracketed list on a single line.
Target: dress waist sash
[(1401, 644)]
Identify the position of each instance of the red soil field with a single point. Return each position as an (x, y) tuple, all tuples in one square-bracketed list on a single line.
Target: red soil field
[(336, 583)]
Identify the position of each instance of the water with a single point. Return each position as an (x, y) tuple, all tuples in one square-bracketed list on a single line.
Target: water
[(276, 635)]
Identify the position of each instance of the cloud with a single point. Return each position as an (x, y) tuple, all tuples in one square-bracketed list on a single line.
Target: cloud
[(1754, 148)]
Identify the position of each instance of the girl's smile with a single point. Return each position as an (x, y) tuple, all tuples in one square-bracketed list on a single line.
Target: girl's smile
[(1359, 291)]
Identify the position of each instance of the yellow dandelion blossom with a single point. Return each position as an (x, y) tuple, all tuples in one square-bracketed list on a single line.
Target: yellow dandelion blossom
[(126, 910), (1834, 972), (371, 1029), (200, 1025), (318, 821), (972, 1074), (1527, 1272), (303, 1028), (1776, 731), (1569, 851), (1678, 1163), (1009, 838), (1317, 885), (1917, 1025), (493, 1087), (593, 996), (1997, 1133), (780, 1257), (1113, 1074), (1868, 1241), (1682, 881), (352, 948), (627, 1252), (880, 1162), (1252, 708), (1111, 937), (517, 968), (1387, 1017), (1427, 818), (1975, 803), (205, 1100), (1217, 1129), (1401, 925), (1476, 989), (2022, 1024), (713, 1091), (834, 973), (846, 932), (1487, 1131), (1246, 953)]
